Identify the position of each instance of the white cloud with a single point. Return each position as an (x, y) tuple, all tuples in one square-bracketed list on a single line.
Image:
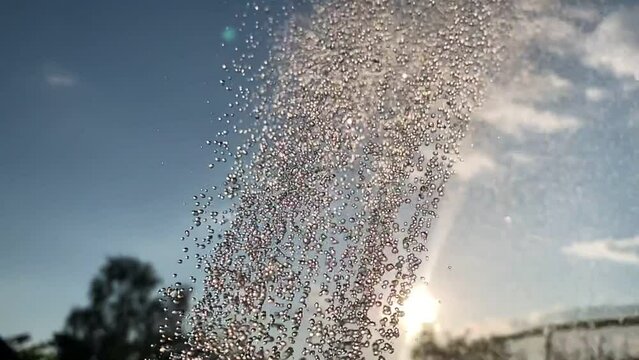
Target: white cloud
[(520, 106), (515, 118), (581, 12), (614, 44), (612, 47), (513, 107), (537, 87), (624, 251), (534, 6), (60, 80), (521, 158), (595, 94), (474, 164), (551, 32)]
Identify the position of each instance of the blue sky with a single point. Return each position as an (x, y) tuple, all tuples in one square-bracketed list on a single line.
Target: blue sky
[(543, 216), (105, 107), (103, 113)]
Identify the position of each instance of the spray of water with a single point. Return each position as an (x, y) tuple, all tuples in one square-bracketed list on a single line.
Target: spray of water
[(359, 112)]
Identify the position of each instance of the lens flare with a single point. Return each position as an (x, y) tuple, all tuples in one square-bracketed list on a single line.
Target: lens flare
[(421, 309), (229, 34)]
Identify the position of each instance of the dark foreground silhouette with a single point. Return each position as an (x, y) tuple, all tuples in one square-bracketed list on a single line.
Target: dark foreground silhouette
[(122, 321), (125, 315)]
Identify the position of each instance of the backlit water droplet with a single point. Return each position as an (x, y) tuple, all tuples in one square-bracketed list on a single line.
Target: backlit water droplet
[(319, 228)]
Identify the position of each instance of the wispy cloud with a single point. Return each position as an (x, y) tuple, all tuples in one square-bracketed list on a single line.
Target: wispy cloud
[(625, 251), (548, 31), (608, 44), (474, 164), (515, 118), (614, 44), (521, 158), (514, 107), (581, 12), (595, 94), (58, 79)]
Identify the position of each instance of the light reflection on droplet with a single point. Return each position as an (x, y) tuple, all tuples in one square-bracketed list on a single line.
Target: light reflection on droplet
[(321, 223)]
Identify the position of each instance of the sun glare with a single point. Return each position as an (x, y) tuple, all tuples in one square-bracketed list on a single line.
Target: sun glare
[(421, 309)]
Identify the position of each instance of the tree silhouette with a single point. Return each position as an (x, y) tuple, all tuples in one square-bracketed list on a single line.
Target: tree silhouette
[(122, 319)]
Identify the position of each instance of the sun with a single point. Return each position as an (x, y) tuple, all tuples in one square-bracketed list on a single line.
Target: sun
[(420, 309)]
